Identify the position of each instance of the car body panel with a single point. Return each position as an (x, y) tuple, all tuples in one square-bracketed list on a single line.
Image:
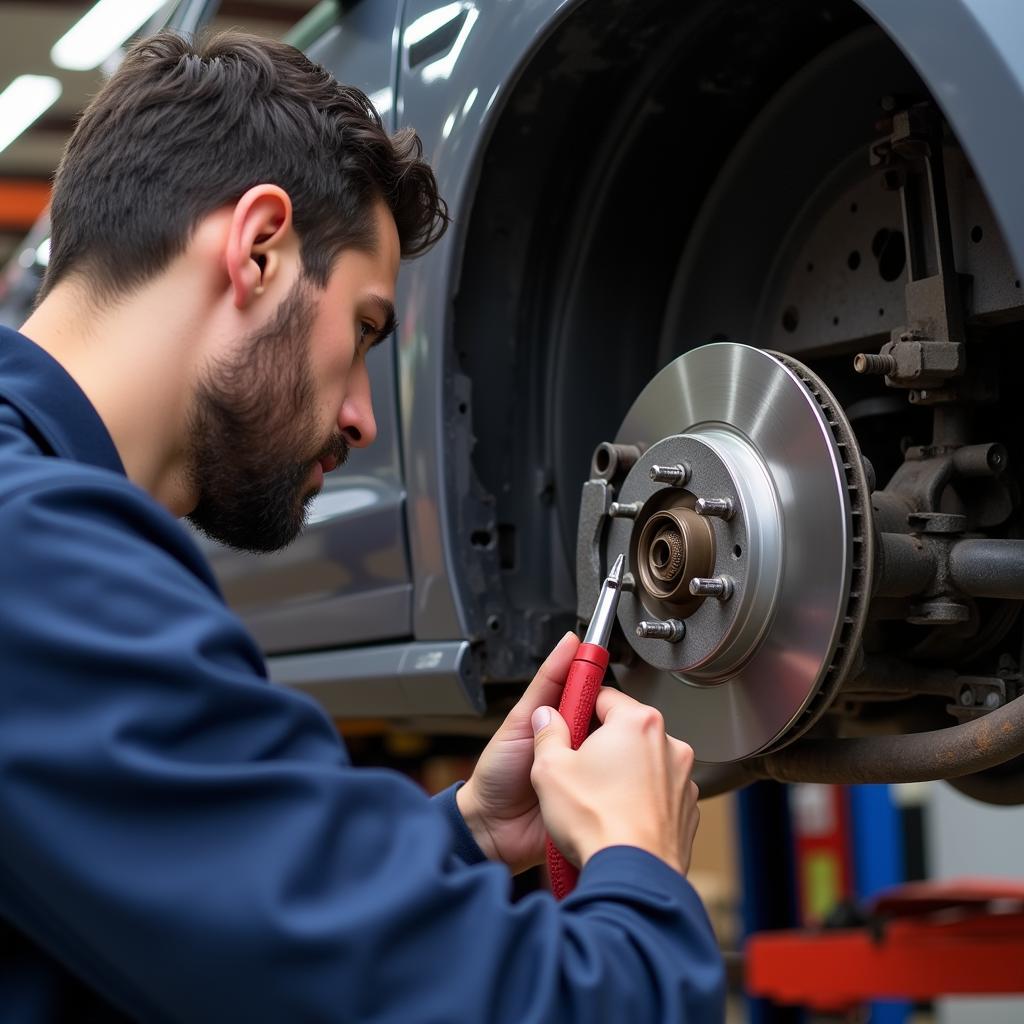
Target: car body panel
[(453, 101)]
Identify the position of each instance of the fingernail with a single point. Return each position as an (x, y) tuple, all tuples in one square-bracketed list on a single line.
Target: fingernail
[(540, 718)]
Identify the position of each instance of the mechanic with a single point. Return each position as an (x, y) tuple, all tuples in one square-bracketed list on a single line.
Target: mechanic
[(182, 841)]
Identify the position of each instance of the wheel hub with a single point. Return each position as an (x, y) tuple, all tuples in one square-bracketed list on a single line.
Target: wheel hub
[(742, 551)]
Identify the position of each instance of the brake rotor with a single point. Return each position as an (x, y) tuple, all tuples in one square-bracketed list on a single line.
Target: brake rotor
[(769, 577)]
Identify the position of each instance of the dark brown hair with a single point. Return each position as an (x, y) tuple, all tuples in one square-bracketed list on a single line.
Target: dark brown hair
[(183, 128)]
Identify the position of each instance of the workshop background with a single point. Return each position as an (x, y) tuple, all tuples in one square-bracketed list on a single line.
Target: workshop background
[(767, 857)]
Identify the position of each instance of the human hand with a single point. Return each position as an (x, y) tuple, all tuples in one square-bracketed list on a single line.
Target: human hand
[(498, 802), (628, 784)]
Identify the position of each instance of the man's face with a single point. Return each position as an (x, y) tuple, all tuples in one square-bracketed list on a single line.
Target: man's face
[(285, 406)]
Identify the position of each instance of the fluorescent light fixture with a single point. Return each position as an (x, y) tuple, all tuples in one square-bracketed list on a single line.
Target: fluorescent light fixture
[(89, 42), (25, 99)]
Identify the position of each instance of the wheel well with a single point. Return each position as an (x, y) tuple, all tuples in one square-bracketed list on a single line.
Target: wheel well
[(595, 173)]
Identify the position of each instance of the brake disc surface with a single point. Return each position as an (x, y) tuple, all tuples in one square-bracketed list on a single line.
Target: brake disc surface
[(760, 431)]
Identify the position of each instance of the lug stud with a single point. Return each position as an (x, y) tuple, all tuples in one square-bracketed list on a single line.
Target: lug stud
[(672, 630), (676, 475), (720, 508), (625, 509), (720, 587)]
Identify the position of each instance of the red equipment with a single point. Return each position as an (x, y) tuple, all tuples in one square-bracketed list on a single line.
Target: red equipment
[(578, 698), (922, 940)]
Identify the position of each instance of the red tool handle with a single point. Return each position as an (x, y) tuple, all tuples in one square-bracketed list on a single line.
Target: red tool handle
[(586, 674)]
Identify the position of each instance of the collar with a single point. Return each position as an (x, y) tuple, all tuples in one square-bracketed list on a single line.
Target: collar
[(46, 394)]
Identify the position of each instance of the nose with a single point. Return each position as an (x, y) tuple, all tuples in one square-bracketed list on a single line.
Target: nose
[(356, 420)]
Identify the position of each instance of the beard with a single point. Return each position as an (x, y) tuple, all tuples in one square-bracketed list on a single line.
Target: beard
[(253, 435)]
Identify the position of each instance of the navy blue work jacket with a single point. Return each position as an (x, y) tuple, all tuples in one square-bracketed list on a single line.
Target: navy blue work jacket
[(181, 840)]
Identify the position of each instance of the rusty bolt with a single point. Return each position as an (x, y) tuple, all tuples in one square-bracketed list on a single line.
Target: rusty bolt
[(868, 362)]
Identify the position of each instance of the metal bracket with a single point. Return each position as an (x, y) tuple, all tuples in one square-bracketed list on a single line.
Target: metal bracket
[(977, 696), (595, 503), (929, 349)]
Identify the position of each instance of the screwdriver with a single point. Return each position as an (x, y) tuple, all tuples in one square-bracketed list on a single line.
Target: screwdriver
[(578, 698)]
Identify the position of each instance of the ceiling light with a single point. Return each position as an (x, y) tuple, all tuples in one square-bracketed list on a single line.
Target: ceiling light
[(89, 42), (22, 102)]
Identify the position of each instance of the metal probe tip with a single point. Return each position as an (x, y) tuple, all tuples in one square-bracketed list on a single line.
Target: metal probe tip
[(600, 628)]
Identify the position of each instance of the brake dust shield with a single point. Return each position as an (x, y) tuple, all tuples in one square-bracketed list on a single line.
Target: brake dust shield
[(767, 578)]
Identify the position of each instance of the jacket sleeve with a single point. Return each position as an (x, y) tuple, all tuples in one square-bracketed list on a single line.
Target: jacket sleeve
[(193, 842), (464, 846)]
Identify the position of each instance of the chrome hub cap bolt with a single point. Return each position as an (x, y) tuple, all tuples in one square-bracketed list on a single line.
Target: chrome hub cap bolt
[(676, 475), (720, 587), (720, 508), (672, 630), (625, 509)]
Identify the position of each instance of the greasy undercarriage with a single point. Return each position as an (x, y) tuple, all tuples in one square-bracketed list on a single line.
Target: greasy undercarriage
[(772, 176)]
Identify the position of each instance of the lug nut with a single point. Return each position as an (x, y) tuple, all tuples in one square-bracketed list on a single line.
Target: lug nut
[(672, 630), (676, 475), (625, 509), (720, 508), (717, 586)]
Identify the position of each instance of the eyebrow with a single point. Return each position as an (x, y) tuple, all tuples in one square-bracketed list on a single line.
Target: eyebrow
[(387, 311)]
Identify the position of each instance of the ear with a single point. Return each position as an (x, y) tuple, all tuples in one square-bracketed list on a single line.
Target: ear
[(259, 238)]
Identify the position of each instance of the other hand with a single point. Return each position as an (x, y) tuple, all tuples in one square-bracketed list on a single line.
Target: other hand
[(498, 802)]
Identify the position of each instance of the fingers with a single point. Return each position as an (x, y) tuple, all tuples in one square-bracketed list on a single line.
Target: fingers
[(549, 728), (550, 738), (684, 755), (612, 702), (549, 681)]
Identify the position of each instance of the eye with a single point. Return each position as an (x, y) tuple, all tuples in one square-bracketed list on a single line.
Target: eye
[(366, 330)]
